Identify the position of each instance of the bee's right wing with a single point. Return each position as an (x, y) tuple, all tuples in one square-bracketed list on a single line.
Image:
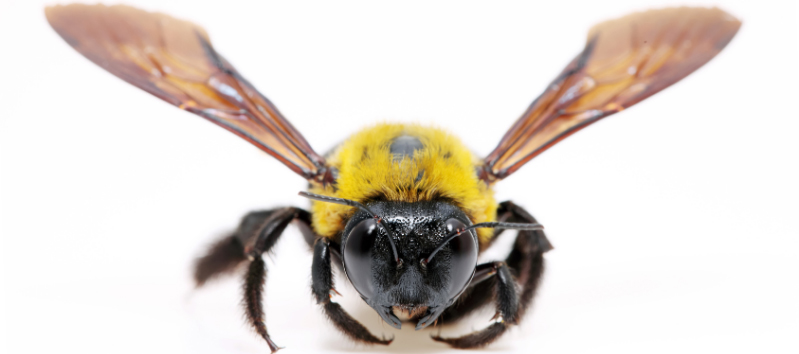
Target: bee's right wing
[(174, 60), (625, 61)]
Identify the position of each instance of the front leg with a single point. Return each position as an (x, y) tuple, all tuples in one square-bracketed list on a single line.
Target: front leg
[(526, 261), (507, 308), (322, 288)]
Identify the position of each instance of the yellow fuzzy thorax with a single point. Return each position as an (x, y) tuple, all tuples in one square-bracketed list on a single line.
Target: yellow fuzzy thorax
[(443, 168)]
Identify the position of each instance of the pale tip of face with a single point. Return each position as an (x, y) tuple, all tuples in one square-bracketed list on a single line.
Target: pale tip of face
[(408, 313)]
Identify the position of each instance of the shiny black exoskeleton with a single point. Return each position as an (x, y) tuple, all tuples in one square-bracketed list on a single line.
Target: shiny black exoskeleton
[(411, 260), (412, 286)]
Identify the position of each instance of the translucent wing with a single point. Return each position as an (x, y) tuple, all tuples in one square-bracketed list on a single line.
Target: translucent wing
[(174, 60), (625, 61)]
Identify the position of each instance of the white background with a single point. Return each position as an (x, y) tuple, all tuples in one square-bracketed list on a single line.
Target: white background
[(674, 222)]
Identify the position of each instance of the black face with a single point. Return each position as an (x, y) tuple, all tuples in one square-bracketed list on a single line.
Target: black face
[(413, 287)]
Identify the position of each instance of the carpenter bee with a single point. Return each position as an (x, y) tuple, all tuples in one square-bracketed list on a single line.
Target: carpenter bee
[(403, 209)]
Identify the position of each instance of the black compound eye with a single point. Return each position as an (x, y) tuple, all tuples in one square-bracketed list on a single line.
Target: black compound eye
[(463, 259), (358, 256)]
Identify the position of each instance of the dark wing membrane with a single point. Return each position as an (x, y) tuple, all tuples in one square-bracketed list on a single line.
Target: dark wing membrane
[(625, 61), (174, 60)]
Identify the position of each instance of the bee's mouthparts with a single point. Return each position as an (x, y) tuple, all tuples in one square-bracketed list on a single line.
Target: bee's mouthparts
[(408, 312)]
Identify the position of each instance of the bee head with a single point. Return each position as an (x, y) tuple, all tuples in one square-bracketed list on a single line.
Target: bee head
[(409, 260)]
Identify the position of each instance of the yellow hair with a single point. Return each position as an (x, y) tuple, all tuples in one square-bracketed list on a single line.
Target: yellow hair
[(442, 168)]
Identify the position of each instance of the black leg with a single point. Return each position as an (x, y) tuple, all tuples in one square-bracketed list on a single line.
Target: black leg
[(222, 258), (472, 298), (226, 254), (253, 300), (257, 233), (526, 261), (322, 287), (527, 256), (507, 310), (266, 236)]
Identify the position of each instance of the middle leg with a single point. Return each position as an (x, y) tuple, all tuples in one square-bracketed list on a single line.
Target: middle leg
[(268, 232)]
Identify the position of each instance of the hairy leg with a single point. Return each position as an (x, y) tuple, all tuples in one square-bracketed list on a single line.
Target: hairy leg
[(226, 254), (527, 256), (472, 299), (256, 234), (525, 261), (222, 258), (507, 303), (267, 234), (253, 300), (322, 288)]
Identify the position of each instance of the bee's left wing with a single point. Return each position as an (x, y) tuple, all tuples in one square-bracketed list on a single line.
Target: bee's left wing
[(174, 60), (625, 61)]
